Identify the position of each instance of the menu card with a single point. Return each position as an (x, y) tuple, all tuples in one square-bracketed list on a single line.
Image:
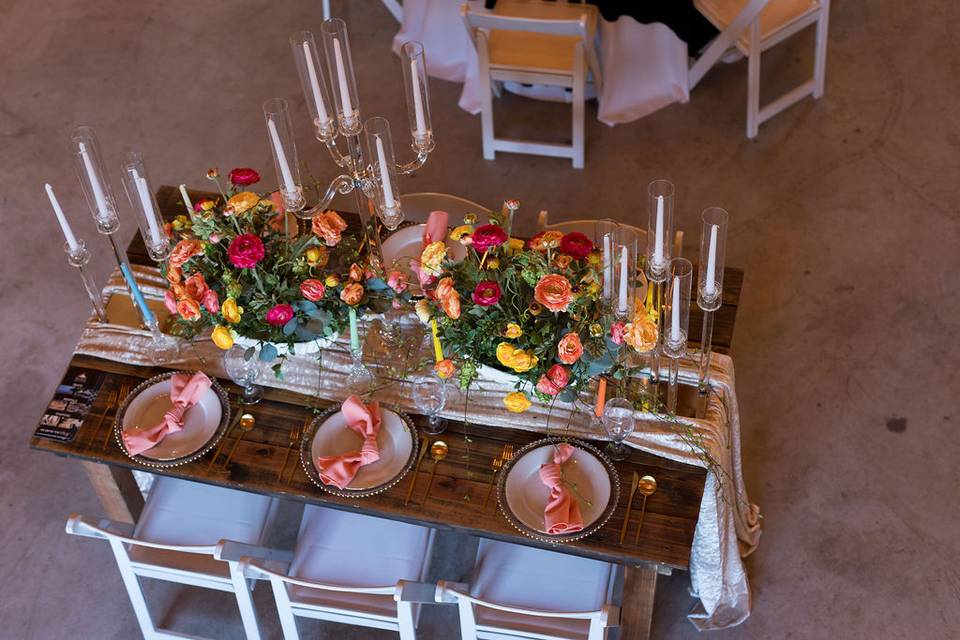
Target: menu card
[(70, 405)]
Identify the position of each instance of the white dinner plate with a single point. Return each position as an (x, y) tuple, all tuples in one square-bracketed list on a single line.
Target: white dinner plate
[(405, 244), (526, 495), (200, 422), (394, 439)]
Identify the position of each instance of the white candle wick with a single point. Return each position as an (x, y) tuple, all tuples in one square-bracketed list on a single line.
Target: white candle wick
[(658, 239), (675, 312), (624, 281), (709, 286), (99, 198), (186, 199), (417, 99), (342, 80), (62, 219), (315, 85), (288, 184), (384, 175)]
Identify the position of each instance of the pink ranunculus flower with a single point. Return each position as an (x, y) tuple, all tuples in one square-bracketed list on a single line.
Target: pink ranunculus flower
[(279, 315), (170, 302), (570, 348), (244, 176), (312, 289), (397, 280), (211, 301), (488, 236), (487, 293), (616, 333), (245, 251), (554, 380), (554, 292)]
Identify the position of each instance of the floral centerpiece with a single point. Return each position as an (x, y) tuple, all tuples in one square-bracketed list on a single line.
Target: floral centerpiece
[(241, 269), (532, 309)]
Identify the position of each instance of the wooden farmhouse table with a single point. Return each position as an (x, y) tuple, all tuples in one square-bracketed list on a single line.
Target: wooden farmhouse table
[(668, 528)]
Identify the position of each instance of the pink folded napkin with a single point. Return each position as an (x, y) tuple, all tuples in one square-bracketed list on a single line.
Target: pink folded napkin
[(185, 391), (562, 513), (434, 231), (365, 420)]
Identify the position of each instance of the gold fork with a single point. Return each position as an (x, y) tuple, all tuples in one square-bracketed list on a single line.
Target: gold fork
[(111, 400), (124, 390), (497, 464), (294, 439)]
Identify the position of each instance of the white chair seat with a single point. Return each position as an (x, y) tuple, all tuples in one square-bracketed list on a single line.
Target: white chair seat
[(777, 15)]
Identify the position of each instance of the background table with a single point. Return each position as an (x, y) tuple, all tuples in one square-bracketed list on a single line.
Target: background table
[(461, 483)]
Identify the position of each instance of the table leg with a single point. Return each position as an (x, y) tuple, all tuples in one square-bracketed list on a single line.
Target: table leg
[(117, 490), (636, 610)]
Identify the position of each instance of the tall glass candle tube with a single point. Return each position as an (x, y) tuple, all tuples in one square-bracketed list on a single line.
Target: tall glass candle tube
[(659, 228), (77, 255), (314, 84), (144, 204), (336, 45), (380, 154), (625, 245), (414, 64), (93, 179), (276, 113), (713, 242), (675, 329)]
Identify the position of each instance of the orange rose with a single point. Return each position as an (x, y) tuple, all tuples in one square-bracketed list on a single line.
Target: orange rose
[(451, 305), (179, 291), (569, 349), (328, 225), (185, 249), (188, 309), (195, 286), (445, 368), (356, 273), (562, 261), (352, 293), (241, 203), (554, 292), (445, 288), (174, 274), (641, 334)]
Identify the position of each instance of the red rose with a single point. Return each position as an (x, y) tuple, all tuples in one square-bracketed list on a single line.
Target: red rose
[(487, 293), (488, 236), (242, 176), (245, 251), (312, 289), (576, 245), (279, 315), (554, 380)]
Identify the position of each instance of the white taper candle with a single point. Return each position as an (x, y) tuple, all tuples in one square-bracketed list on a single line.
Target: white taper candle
[(384, 175), (607, 269), (315, 84), (624, 281), (62, 219), (186, 199), (709, 286), (342, 79), (675, 312), (658, 239), (147, 204), (288, 183), (417, 99), (98, 196)]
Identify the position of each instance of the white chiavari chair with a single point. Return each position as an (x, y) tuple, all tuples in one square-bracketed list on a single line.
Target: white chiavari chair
[(586, 227), (348, 568), (521, 592), (534, 42), (175, 539), (754, 26), (393, 6)]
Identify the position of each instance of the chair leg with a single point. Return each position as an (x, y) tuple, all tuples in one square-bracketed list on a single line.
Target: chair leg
[(579, 82), (288, 621), (248, 613), (820, 59), (405, 621), (468, 624), (132, 584), (753, 81)]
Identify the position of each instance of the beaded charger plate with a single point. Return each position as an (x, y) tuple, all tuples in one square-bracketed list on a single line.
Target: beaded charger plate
[(204, 424), (328, 435), (590, 477)]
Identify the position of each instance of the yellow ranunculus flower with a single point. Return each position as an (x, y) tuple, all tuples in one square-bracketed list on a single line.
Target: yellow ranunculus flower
[(470, 218), (516, 402), (459, 232), (432, 257), (332, 280), (641, 334), (492, 264), (514, 245), (596, 330), (222, 337), (513, 330), (241, 202), (230, 311), (594, 259), (317, 256), (516, 359)]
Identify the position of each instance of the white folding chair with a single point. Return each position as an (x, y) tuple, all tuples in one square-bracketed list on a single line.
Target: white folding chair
[(586, 227), (534, 42), (753, 26), (175, 540), (521, 592), (348, 568), (417, 206)]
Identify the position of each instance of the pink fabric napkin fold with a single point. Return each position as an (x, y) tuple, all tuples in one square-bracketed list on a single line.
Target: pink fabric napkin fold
[(434, 231), (365, 421), (185, 391), (562, 513)]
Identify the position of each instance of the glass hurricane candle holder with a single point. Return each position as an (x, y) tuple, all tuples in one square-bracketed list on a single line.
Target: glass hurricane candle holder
[(713, 243), (383, 171), (618, 422), (314, 84), (78, 257), (140, 193), (417, 90), (676, 330), (336, 46), (603, 239), (624, 258), (659, 228), (276, 113), (88, 161)]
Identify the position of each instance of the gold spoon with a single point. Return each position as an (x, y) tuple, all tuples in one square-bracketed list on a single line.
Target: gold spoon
[(438, 451), (294, 439), (648, 486), (420, 457), (245, 425), (626, 520)]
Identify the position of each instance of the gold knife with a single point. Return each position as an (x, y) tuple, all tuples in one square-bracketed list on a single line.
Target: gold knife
[(223, 440), (420, 457), (626, 520)]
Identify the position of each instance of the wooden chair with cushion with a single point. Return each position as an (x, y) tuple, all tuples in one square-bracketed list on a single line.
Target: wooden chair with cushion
[(534, 42), (175, 540), (754, 26), (521, 592)]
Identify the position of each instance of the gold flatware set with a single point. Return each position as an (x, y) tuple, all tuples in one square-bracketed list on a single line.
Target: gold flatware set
[(496, 464), (114, 399), (647, 486)]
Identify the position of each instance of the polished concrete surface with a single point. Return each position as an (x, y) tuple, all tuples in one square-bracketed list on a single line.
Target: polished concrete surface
[(845, 219)]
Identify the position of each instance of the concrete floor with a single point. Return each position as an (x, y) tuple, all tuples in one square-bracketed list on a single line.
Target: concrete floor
[(844, 217)]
